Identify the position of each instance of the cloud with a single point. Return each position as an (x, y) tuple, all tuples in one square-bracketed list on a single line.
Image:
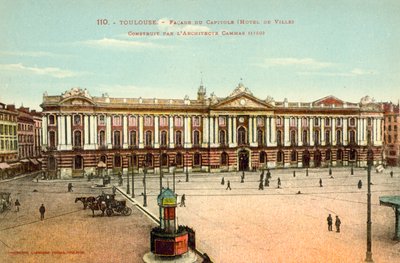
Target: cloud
[(299, 62), (49, 71), (120, 44), (352, 73), (32, 54)]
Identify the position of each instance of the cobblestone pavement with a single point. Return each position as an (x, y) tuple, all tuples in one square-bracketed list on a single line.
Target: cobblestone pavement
[(279, 225), (68, 233)]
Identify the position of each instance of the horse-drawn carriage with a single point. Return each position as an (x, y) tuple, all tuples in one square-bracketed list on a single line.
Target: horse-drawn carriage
[(5, 201), (105, 203)]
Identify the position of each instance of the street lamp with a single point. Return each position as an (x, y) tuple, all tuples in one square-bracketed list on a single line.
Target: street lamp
[(368, 257), (133, 182), (128, 191), (187, 170), (144, 186)]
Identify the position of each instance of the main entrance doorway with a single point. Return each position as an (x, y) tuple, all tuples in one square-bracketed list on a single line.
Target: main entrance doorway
[(243, 160)]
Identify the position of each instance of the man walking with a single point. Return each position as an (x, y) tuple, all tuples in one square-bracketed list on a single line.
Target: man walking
[(337, 224), (17, 204), (70, 187), (261, 186), (229, 185), (42, 210), (183, 198), (266, 181), (329, 219), (279, 182), (320, 182)]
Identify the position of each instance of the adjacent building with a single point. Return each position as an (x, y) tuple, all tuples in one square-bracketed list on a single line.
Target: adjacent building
[(86, 134), (8, 139), (391, 133)]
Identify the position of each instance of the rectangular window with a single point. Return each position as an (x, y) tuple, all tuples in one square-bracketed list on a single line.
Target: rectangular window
[(196, 121), (222, 121), (148, 121), (178, 121), (117, 121), (163, 121)]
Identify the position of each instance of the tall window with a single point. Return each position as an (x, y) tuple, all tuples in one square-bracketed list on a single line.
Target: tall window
[(178, 138), (328, 137), (163, 139), (77, 138), (316, 121), (148, 121), (196, 137), (260, 137), (132, 121), (242, 136), (339, 137), (163, 121), (117, 138), (77, 120), (353, 155), (293, 137), (51, 163), (178, 121), (222, 137), (328, 155), (52, 120), (52, 139), (304, 122), (279, 121), (352, 137), (369, 137), (179, 159), (279, 137), (338, 122), (293, 156), (149, 160), (132, 138), (224, 159), (327, 121), (305, 137), (134, 160), (164, 159), (102, 120), (222, 121), (316, 137), (280, 157), (78, 162), (149, 138), (102, 138), (339, 155), (292, 122), (196, 121), (263, 157), (197, 159), (117, 121), (352, 122), (117, 161)]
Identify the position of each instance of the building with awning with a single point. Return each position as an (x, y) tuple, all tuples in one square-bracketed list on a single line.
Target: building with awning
[(394, 202)]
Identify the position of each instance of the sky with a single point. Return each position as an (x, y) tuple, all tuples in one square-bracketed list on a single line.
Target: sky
[(302, 50)]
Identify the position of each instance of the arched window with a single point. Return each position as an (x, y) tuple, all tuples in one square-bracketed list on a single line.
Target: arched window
[(328, 155), (222, 137), (293, 137), (293, 156), (51, 163), (292, 122), (149, 160), (102, 138), (132, 138), (263, 157), (280, 156), (148, 138), (164, 160), (352, 135), (369, 137), (178, 138), (163, 138), (196, 137), (316, 137), (52, 120), (338, 137), (260, 137), (117, 161), (52, 138), (304, 122), (242, 136), (117, 138), (179, 159), (78, 162), (197, 159), (77, 138), (279, 138), (224, 159), (305, 137), (328, 137)]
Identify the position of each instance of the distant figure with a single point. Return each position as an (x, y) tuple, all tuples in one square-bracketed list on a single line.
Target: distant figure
[(359, 184), (294, 173), (329, 219), (261, 186), (183, 198), (279, 182), (268, 174), (262, 176), (223, 181), (42, 210), (114, 189), (229, 185), (266, 181), (337, 224), (242, 178), (243, 174), (70, 187), (37, 179), (17, 204), (391, 173), (298, 192), (320, 182)]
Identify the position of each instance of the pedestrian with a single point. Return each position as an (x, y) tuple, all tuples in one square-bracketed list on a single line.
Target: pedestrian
[(294, 173), (262, 176), (320, 182), (391, 173), (183, 198), (242, 178), (337, 224), (266, 181), (223, 181), (279, 182), (268, 174), (70, 187), (359, 184), (42, 210), (329, 219), (261, 186), (229, 185), (17, 204), (114, 189)]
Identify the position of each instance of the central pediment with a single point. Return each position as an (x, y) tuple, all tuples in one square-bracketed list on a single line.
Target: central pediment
[(242, 101)]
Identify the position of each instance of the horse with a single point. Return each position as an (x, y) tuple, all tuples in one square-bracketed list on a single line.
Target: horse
[(85, 200), (97, 205)]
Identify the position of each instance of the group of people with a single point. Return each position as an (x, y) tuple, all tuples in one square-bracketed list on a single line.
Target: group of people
[(337, 223)]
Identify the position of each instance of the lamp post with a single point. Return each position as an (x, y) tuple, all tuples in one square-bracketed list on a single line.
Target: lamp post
[(368, 257), (128, 191), (144, 186), (133, 182), (187, 169)]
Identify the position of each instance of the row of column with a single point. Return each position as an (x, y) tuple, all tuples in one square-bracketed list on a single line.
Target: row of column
[(210, 132)]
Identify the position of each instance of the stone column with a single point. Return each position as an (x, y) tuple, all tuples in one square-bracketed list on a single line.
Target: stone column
[(69, 132), (205, 123), (273, 131), (311, 131), (86, 137), (322, 122), (333, 124), (141, 132), (234, 129), (299, 132), (108, 132), (216, 131), (156, 132), (125, 134), (286, 136), (94, 124), (44, 129), (345, 131), (171, 132), (212, 125)]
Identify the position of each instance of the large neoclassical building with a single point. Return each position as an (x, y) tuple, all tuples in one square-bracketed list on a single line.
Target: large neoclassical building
[(87, 134)]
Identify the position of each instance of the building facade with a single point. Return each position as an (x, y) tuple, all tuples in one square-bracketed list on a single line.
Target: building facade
[(391, 134), (85, 134), (8, 139)]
